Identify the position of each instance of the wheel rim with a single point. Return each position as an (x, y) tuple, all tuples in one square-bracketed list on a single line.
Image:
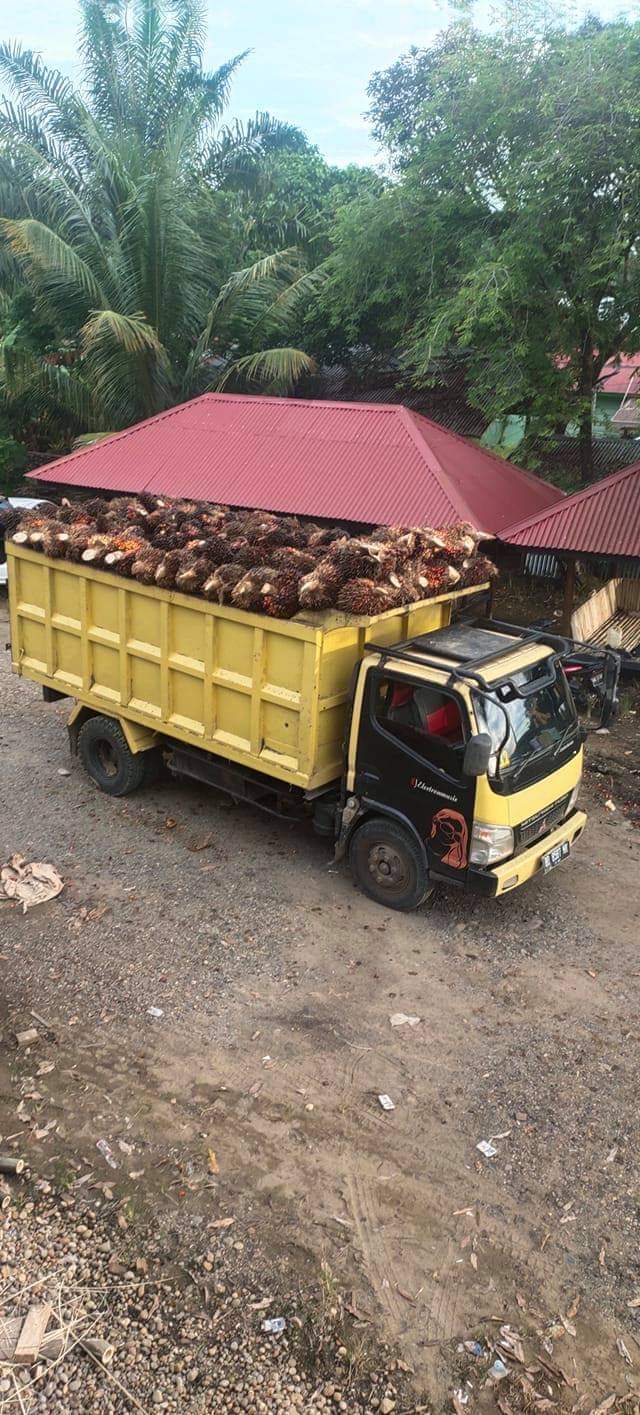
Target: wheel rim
[(107, 758), (388, 868)]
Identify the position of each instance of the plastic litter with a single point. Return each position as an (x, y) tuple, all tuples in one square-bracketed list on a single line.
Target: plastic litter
[(155, 1011), (273, 1325), (105, 1150), (487, 1149), (401, 1019), (498, 1371), (30, 883), (386, 1102)]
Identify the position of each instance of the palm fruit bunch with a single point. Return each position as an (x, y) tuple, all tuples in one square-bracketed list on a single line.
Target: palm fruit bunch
[(255, 560)]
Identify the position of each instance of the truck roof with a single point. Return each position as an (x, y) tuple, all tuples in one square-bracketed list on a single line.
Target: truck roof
[(487, 651)]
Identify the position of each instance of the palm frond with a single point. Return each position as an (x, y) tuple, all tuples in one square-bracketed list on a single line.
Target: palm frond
[(127, 367), (276, 370), (88, 438), (133, 334), (293, 300), (103, 45), (52, 260), (268, 268), (43, 91), (217, 85)]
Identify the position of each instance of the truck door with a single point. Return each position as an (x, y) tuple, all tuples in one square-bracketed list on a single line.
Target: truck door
[(409, 762)]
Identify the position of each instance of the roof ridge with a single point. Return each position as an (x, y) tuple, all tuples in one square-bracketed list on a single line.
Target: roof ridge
[(568, 502), (433, 461), (486, 452)]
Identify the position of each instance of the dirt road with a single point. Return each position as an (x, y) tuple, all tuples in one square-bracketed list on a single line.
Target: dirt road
[(277, 981)]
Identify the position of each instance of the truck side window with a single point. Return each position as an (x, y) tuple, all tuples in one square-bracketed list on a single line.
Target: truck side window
[(422, 718)]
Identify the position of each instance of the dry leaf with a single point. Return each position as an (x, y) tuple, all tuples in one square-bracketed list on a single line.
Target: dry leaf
[(474, 1262), (520, 1300), (572, 1311), (45, 1067), (223, 1222), (568, 1326), (602, 1257), (170, 823), (634, 1303), (623, 1351), (606, 1405), (214, 1167), (204, 844)]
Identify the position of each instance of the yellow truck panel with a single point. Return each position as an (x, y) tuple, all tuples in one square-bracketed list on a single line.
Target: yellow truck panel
[(269, 694)]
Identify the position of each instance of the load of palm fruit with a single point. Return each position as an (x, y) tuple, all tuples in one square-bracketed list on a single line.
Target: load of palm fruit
[(255, 560)]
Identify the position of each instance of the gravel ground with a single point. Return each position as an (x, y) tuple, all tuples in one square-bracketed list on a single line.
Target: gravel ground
[(172, 1352)]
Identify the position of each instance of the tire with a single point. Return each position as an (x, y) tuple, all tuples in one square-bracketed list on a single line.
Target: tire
[(386, 863), (107, 757)]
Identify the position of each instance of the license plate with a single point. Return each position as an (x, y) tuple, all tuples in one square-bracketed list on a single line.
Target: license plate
[(556, 856)]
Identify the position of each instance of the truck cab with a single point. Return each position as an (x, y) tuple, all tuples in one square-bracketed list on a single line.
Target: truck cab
[(464, 758)]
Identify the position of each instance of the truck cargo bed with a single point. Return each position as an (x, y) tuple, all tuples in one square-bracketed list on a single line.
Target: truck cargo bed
[(266, 693)]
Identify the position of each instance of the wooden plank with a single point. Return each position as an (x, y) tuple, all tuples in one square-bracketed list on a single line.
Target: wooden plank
[(595, 612), (629, 596), (32, 1334)]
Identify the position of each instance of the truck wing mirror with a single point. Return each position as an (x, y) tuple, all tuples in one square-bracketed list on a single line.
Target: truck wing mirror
[(477, 754)]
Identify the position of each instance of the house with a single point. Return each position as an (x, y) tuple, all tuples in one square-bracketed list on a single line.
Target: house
[(352, 462)]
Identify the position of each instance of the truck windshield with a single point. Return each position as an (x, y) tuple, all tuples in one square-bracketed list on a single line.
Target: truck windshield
[(538, 722)]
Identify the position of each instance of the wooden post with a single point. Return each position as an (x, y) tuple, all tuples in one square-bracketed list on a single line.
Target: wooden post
[(569, 592)]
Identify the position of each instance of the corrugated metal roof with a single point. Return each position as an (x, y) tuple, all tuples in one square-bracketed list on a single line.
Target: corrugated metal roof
[(340, 461), (621, 375), (602, 520)]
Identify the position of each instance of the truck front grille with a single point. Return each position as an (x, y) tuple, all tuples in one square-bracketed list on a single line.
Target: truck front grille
[(542, 822)]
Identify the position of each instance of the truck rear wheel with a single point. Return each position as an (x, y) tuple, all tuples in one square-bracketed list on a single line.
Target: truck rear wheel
[(107, 757), (386, 864)]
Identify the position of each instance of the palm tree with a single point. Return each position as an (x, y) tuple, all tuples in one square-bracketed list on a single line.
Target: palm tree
[(119, 211)]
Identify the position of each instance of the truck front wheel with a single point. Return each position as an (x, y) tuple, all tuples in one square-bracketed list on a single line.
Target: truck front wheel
[(387, 864), (107, 757)]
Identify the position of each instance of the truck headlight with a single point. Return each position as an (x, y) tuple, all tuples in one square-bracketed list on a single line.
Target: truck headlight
[(490, 843), (573, 799)]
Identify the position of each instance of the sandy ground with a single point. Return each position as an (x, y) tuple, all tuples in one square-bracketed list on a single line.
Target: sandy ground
[(277, 981)]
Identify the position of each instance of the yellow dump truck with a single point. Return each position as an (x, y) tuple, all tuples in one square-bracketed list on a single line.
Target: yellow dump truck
[(428, 744)]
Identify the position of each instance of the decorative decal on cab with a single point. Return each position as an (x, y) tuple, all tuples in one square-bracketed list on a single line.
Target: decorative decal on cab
[(450, 836)]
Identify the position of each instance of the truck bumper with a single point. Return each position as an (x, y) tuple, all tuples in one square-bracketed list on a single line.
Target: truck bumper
[(511, 873)]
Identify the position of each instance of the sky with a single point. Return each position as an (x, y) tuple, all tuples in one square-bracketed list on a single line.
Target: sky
[(310, 64)]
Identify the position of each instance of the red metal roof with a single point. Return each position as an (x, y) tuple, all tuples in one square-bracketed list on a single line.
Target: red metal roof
[(602, 520), (621, 375), (343, 461)]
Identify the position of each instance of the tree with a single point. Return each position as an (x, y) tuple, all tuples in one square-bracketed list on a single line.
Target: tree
[(536, 139), (120, 213)]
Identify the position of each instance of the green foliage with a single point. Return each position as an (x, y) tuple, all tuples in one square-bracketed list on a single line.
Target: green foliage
[(123, 216), (13, 464), (509, 237)]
